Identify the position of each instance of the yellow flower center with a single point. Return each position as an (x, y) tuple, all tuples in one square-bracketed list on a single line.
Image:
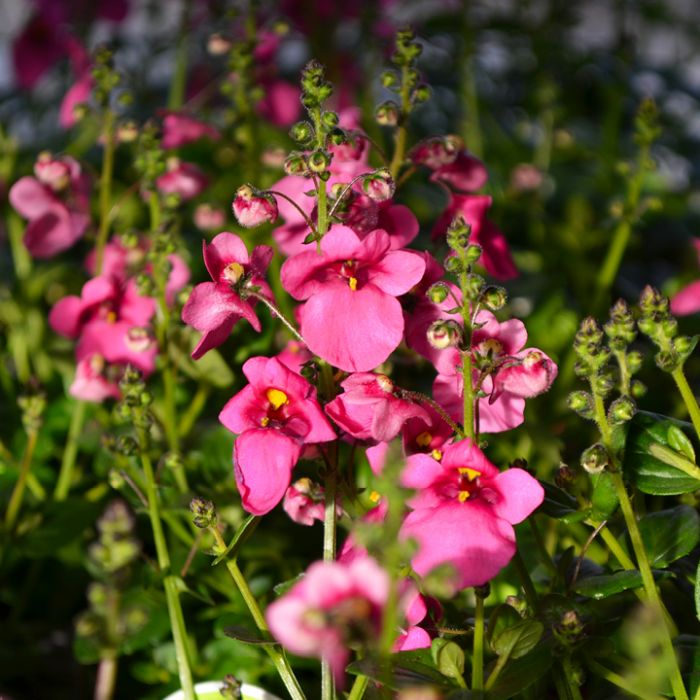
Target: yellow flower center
[(264, 421), (276, 398), (436, 455), (424, 439), (233, 272), (352, 283)]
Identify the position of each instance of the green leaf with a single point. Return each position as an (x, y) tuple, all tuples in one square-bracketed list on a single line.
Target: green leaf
[(448, 657), (248, 636), (670, 534), (522, 673), (282, 588), (680, 442), (404, 669), (210, 368), (605, 585), (518, 640), (502, 617), (560, 505), (652, 464), (245, 530), (604, 497)]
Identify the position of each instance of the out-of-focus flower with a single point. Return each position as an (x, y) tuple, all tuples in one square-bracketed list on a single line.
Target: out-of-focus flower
[(687, 300), (57, 206), (180, 129), (465, 493), (183, 179), (352, 318), (215, 307), (304, 502), (274, 416), (209, 218), (334, 607)]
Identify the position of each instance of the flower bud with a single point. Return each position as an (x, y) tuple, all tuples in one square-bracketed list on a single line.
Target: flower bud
[(379, 186), (252, 207), (667, 360), (52, 172), (330, 119), (296, 164), (217, 45), (683, 345), (444, 334), (209, 218), (475, 284), (453, 264), (421, 94), (318, 161), (652, 301), (204, 513), (595, 458), (438, 292), (231, 688), (564, 476), (472, 253), (621, 410), (303, 132), (581, 402), (638, 389), (389, 79), (387, 114), (127, 132), (604, 384), (494, 298), (634, 361)]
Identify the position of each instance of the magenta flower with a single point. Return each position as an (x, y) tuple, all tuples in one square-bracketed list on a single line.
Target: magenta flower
[(334, 607), (452, 166), (370, 409), (214, 307), (253, 208), (274, 417), (56, 203), (687, 300), (465, 493), (304, 502), (183, 179), (352, 318), (92, 380), (495, 256), (209, 218), (180, 129), (77, 94)]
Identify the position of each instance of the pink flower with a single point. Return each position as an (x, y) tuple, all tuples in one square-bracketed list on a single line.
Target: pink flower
[(122, 262), (370, 409), (57, 206), (92, 381), (334, 607), (253, 208), (38, 47), (429, 437), (274, 416), (451, 164), (465, 493), (215, 307), (183, 179), (527, 374), (304, 502), (209, 218), (495, 256), (180, 129), (78, 93), (295, 355), (352, 318), (281, 103), (687, 300)]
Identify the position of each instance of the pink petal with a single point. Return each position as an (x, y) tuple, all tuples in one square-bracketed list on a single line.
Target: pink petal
[(224, 249), (353, 330), (397, 272), (520, 495), (31, 199), (399, 222), (687, 301), (78, 93), (263, 461), (64, 317), (421, 471), (54, 232), (413, 638), (178, 278)]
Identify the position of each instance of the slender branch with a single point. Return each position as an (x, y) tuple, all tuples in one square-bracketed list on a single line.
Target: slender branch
[(358, 688), (70, 452), (17, 496), (305, 216), (478, 646), (620, 681), (277, 313), (423, 398), (278, 658)]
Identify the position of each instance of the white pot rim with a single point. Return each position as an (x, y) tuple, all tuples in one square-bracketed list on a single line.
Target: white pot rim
[(251, 691)]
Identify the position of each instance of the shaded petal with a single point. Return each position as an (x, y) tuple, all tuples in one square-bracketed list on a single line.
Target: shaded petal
[(687, 301), (31, 199), (421, 471), (263, 461), (397, 272), (224, 249), (520, 495), (353, 330)]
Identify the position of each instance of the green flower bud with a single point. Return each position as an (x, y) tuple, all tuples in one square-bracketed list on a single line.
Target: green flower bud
[(581, 402), (475, 285), (116, 480), (683, 345), (472, 253), (319, 161), (444, 334), (438, 292), (204, 513), (387, 114), (389, 79), (667, 360), (330, 119), (594, 459), (494, 298), (296, 164), (421, 94), (127, 446), (634, 361), (453, 264), (303, 132), (621, 410), (637, 389)]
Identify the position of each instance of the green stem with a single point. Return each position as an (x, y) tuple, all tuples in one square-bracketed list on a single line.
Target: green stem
[(177, 619), (401, 134), (358, 688), (106, 676), (688, 397), (278, 658), (574, 690), (478, 646), (193, 410), (652, 593), (176, 97), (329, 547), (70, 452), (105, 189), (17, 496), (20, 255), (545, 557), (493, 676), (616, 549), (620, 681)]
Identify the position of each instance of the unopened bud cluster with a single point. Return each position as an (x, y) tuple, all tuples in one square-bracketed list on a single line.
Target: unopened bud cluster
[(204, 513), (656, 322)]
